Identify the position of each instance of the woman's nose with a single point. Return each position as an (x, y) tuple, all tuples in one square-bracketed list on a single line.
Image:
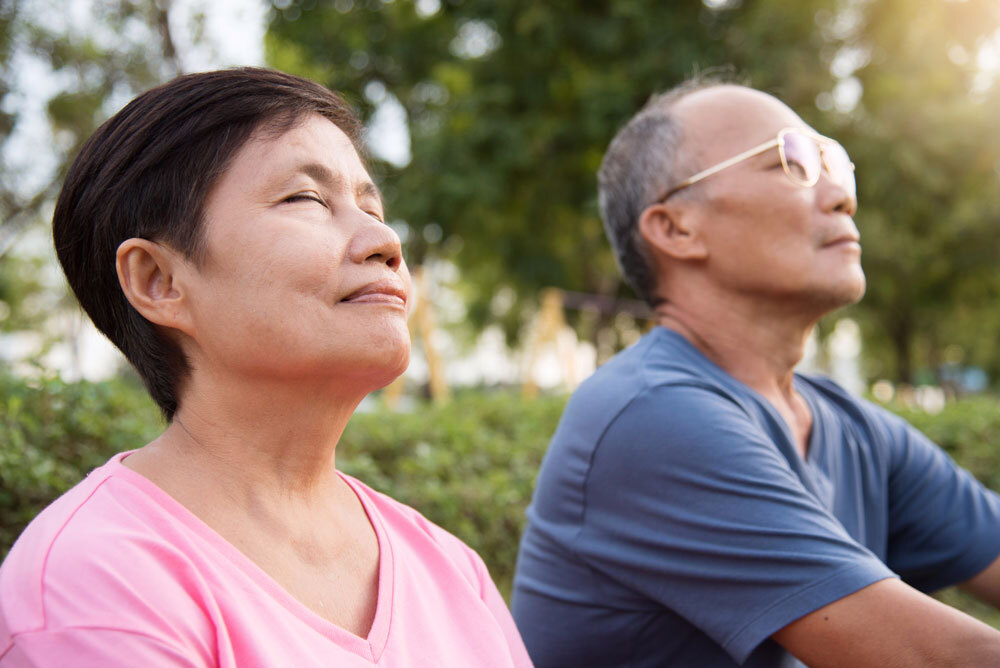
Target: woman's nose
[(377, 242)]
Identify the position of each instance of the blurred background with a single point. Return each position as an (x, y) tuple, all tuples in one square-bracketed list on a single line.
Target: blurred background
[(487, 121)]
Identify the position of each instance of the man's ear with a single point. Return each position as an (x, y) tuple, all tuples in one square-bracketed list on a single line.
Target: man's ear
[(148, 275), (672, 230)]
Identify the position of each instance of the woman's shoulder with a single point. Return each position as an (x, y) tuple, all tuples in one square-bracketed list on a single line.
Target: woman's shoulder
[(96, 556)]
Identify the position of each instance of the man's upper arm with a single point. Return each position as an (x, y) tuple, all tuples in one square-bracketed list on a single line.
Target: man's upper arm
[(944, 526), (986, 584), (689, 502), (890, 624)]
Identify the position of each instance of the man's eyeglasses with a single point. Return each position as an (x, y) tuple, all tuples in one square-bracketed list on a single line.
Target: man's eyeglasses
[(803, 157)]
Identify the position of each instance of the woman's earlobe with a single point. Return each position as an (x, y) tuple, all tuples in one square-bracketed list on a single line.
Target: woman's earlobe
[(147, 275)]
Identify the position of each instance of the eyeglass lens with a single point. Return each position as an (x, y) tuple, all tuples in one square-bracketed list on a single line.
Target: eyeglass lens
[(805, 161)]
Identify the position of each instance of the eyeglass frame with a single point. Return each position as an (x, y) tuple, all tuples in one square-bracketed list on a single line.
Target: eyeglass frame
[(779, 142)]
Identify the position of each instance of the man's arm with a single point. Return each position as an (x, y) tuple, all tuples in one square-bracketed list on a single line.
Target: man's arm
[(986, 585), (890, 624)]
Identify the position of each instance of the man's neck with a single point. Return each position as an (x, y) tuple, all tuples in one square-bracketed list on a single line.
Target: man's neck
[(756, 344)]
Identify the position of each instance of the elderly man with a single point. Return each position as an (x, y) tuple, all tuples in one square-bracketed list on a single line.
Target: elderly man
[(701, 504)]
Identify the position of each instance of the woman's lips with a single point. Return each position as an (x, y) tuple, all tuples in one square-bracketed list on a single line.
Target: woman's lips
[(378, 292)]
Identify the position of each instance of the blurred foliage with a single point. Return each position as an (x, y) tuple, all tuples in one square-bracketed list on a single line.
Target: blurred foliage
[(510, 106), (927, 147), (79, 72), (125, 48), (52, 433), (19, 282), (468, 466)]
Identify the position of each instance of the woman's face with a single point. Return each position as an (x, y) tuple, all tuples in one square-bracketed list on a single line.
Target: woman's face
[(301, 279)]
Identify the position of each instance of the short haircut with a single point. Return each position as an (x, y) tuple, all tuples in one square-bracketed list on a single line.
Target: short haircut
[(642, 163), (146, 173)]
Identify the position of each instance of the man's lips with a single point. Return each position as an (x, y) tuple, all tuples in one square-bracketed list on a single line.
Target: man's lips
[(384, 291)]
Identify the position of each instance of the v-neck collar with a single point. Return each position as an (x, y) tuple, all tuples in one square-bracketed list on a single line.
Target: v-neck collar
[(370, 647)]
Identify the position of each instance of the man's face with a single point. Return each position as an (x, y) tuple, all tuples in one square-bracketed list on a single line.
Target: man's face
[(301, 278), (765, 235)]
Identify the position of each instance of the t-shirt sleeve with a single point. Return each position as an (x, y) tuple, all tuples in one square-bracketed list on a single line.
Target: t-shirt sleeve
[(478, 575), (92, 648), (944, 526), (498, 607), (690, 503)]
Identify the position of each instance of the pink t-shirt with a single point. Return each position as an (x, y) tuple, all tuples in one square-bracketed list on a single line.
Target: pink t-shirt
[(117, 573)]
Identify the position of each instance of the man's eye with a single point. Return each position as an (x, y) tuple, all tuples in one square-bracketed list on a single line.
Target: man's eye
[(797, 169)]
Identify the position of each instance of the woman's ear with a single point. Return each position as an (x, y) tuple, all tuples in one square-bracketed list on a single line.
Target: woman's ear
[(672, 230), (148, 275)]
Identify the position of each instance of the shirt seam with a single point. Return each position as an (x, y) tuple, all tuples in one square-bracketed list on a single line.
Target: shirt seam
[(646, 387), (48, 553), (87, 627)]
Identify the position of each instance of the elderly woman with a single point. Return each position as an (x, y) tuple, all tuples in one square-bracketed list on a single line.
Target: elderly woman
[(224, 233)]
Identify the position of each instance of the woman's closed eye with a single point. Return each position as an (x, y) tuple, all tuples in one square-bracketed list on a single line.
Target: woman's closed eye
[(304, 197)]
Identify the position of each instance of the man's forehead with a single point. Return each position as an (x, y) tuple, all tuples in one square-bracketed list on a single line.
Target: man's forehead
[(730, 117)]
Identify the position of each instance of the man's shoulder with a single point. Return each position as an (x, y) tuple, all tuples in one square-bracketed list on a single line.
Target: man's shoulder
[(656, 396), (662, 373), (660, 356)]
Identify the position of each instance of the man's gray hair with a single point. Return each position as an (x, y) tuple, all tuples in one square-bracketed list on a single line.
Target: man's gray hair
[(641, 164)]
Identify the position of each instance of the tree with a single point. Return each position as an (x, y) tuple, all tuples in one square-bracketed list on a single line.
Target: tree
[(511, 105), (89, 63), (926, 143), (95, 65)]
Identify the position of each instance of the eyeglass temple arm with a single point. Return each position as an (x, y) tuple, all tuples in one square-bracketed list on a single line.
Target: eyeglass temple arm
[(749, 153)]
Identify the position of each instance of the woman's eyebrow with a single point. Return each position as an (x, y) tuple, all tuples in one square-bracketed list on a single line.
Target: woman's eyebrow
[(368, 189), (323, 175)]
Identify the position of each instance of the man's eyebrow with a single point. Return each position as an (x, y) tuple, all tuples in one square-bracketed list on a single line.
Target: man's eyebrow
[(322, 174)]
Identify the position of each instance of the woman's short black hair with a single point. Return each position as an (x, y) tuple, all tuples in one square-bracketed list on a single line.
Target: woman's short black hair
[(146, 173)]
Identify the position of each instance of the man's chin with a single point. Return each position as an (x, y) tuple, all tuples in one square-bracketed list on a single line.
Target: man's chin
[(850, 289), (843, 294)]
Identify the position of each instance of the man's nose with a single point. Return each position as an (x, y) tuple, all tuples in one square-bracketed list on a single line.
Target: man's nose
[(835, 196)]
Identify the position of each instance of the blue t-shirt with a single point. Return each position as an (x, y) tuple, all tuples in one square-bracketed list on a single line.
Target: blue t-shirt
[(675, 524)]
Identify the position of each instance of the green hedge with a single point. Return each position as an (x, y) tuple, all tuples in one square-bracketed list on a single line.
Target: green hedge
[(52, 433), (468, 466)]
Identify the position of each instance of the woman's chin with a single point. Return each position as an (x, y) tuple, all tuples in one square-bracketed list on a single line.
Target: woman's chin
[(383, 369), (395, 370)]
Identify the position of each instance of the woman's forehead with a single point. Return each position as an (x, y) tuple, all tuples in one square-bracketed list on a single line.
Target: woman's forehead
[(314, 147)]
